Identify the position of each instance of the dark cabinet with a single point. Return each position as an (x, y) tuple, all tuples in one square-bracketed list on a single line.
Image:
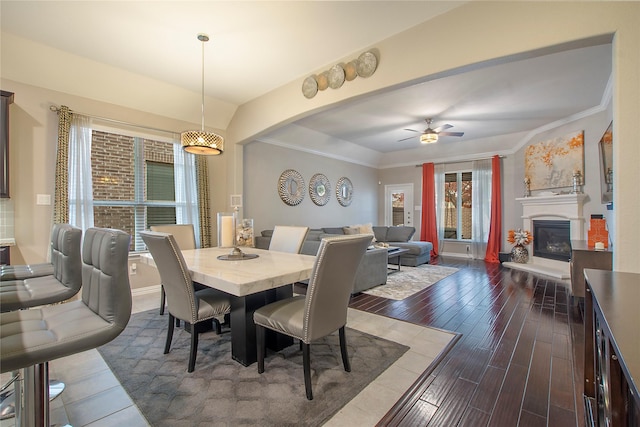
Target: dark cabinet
[(585, 256), (7, 99), (5, 254), (612, 348)]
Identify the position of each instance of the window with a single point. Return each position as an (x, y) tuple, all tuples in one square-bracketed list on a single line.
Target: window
[(133, 183), (457, 208)]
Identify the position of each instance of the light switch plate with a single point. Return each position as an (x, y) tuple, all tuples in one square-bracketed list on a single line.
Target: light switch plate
[(43, 199)]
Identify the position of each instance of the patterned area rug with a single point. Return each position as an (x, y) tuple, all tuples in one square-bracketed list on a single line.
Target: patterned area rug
[(223, 392), (410, 280)]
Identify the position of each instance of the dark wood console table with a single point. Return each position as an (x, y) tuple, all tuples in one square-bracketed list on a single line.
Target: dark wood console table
[(585, 256), (612, 348)]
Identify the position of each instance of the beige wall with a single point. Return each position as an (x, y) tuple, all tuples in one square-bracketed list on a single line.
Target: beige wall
[(486, 31), (473, 33)]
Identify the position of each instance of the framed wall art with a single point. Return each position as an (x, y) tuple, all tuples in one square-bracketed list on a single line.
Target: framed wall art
[(552, 163)]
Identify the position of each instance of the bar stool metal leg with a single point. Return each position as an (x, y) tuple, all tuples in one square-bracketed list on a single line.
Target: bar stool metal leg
[(36, 396)]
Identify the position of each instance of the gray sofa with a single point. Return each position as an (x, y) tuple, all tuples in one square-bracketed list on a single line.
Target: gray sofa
[(371, 272)]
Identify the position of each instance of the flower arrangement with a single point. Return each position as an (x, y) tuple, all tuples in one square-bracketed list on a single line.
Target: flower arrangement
[(519, 237)]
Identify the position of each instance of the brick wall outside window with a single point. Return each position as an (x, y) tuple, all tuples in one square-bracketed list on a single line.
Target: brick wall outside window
[(113, 174)]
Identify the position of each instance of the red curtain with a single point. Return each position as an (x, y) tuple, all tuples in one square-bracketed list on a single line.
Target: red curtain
[(428, 229), (495, 228)]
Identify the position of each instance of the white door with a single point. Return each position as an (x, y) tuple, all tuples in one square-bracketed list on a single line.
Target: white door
[(398, 209)]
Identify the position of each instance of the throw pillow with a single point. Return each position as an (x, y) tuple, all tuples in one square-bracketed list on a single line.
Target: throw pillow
[(367, 229), (351, 230)]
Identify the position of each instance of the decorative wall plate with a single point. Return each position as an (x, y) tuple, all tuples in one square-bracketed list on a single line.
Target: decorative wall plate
[(344, 191), (323, 80), (291, 187), (336, 76), (319, 189), (309, 87), (367, 64), (350, 71)]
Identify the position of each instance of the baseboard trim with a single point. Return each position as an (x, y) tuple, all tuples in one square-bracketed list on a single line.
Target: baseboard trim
[(145, 291)]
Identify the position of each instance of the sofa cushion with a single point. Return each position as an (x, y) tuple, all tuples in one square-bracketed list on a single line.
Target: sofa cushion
[(416, 248), (333, 230), (315, 234), (380, 233), (400, 234)]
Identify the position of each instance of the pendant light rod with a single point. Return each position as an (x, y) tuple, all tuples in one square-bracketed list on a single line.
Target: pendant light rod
[(203, 38)]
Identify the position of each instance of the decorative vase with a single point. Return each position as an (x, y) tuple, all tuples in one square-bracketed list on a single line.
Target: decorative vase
[(520, 254)]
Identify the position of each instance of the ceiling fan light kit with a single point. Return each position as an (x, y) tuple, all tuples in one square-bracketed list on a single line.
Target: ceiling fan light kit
[(430, 136), (364, 66), (200, 141)]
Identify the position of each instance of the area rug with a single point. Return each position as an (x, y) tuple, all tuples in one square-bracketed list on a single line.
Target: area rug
[(223, 392), (410, 280)]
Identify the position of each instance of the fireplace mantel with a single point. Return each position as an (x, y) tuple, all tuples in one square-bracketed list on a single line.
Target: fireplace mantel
[(551, 207)]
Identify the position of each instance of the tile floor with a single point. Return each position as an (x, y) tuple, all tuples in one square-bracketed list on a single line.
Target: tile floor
[(94, 397)]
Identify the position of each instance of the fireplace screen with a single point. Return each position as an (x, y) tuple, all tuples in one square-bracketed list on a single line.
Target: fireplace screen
[(552, 239)]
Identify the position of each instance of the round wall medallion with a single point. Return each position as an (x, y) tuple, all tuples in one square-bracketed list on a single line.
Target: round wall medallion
[(336, 76), (291, 187), (309, 87), (319, 189), (344, 191), (367, 64)]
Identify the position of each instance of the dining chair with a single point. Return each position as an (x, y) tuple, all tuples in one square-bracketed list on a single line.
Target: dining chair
[(183, 301), (29, 339), (323, 309), (287, 238), (185, 238)]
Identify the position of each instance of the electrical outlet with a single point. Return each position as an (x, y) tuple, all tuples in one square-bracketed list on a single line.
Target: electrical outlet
[(133, 268)]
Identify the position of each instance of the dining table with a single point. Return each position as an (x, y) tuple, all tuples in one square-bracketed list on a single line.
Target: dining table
[(253, 282)]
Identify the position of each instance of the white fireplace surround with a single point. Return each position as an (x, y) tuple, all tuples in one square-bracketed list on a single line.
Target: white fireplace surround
[(554, 208)]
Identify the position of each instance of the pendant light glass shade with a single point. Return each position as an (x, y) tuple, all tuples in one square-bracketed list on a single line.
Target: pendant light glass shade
[(199, 141)]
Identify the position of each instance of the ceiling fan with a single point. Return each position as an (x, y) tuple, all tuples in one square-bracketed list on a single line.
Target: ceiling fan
[(429, 136)]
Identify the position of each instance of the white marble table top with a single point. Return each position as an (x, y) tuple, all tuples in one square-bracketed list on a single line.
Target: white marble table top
[(270, 270)]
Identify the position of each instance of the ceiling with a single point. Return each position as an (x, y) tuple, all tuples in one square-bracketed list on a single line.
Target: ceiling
[(259, 46)]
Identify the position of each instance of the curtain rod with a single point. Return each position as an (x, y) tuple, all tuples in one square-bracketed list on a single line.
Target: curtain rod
[(56, 109), (469, 160)]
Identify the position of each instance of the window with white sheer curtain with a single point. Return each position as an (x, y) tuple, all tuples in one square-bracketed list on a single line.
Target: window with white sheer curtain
[(127, 180), (481, 207), (463, 205)]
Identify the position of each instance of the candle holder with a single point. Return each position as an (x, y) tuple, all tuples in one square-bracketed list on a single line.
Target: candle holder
[(227, 237), (527, 187), (226, 227), (577, 183)]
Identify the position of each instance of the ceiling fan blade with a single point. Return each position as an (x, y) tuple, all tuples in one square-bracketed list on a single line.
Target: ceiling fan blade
[(411, 137), (450, 133), (412, 130), (443, 127)]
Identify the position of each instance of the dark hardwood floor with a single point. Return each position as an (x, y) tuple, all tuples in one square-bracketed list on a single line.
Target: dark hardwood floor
[(518, 359)]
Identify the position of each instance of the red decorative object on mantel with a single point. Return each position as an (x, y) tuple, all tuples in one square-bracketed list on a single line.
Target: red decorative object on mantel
[(598, 232)]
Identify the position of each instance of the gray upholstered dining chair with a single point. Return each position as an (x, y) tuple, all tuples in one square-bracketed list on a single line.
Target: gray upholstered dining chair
[(31, 338), (287, 238), (183, 301), (185, 238), (63, 283), (323, 309)]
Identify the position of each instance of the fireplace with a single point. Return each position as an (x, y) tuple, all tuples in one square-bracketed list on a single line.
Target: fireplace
[(552, 239)]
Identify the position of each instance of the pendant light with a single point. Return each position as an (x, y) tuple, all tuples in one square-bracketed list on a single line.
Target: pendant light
[(199, 141)]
